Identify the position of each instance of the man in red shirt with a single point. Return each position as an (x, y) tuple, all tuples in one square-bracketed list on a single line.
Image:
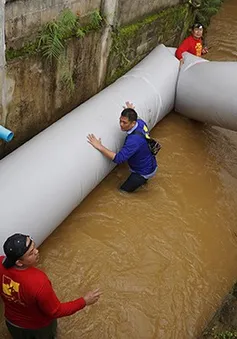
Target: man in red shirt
[(31, 305), (193, 44)]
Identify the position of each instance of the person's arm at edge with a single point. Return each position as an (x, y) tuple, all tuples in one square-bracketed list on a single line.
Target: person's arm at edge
[(96, 143), (51, 306), (106, 152), (204, 48), (129, 148), (183, 47)]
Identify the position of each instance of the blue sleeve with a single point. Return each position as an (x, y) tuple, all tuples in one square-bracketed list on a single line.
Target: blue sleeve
[(129, 148)]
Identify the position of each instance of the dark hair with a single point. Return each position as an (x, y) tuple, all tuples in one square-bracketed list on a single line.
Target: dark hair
[(197, 25), (129, 113)]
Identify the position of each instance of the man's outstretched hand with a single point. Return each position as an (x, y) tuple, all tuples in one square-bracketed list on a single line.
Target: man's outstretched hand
[(205, 50), (94, 141), (129, 105), (92, 297)]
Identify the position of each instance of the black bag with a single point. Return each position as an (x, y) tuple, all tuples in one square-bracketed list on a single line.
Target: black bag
[(153, 144)]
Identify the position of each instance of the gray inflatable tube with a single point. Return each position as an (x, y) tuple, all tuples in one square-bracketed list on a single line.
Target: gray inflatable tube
[(207, 91), (46, 178)]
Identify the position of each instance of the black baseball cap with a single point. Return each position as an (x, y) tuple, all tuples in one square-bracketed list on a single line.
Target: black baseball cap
[(197, 25), (14, 248)]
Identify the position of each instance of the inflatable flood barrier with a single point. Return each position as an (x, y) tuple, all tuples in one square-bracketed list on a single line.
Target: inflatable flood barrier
[(207, 91), (45, 179)]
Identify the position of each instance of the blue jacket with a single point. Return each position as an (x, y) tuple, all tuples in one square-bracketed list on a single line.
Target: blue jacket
[(137, 153)]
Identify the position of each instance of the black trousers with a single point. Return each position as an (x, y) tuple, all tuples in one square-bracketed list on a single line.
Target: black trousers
[(48, 332), (133, 182)]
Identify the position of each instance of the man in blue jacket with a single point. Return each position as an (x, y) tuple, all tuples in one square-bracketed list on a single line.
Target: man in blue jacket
[(135, 150)]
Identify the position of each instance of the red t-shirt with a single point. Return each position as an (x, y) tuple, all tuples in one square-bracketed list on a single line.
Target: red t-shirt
[(29, 299), (191, 45)]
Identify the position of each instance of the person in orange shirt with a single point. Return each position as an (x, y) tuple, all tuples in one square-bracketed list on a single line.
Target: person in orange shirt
[(192, 44)]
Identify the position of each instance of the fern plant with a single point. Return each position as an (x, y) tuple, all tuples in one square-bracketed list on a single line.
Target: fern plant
[(94, 24), (65, 74), (207, 9), (50, 41), (95, 20), (67, 22), (52, 36)]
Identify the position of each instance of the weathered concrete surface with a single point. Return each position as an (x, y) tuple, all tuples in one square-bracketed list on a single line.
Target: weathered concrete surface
[(109, 8), (134, 42), (130, 11), (25, 17), (40, 97), (35, 95), (3, 112), (2, 58)]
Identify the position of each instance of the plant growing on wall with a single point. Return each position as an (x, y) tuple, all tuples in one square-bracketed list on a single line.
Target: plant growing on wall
[(95, 23), (206, 10), (221, 335), (52, 44), (53, 36), (165, 25)]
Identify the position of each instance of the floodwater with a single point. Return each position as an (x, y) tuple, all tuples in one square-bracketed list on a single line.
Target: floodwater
[(165, 256), (222, 33)]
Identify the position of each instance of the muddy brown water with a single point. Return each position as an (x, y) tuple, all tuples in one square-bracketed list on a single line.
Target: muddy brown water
[(165, 256)]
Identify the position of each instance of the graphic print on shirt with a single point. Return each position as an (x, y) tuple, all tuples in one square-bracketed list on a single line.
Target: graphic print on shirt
[(198, 48), (11, 290), (145, 129)]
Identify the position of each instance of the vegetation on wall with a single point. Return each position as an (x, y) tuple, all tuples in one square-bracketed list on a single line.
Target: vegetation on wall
[(51, 41), (52, 37), (165, 25), (223, 324), (54, 34), (221, 335), (206, 10)]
